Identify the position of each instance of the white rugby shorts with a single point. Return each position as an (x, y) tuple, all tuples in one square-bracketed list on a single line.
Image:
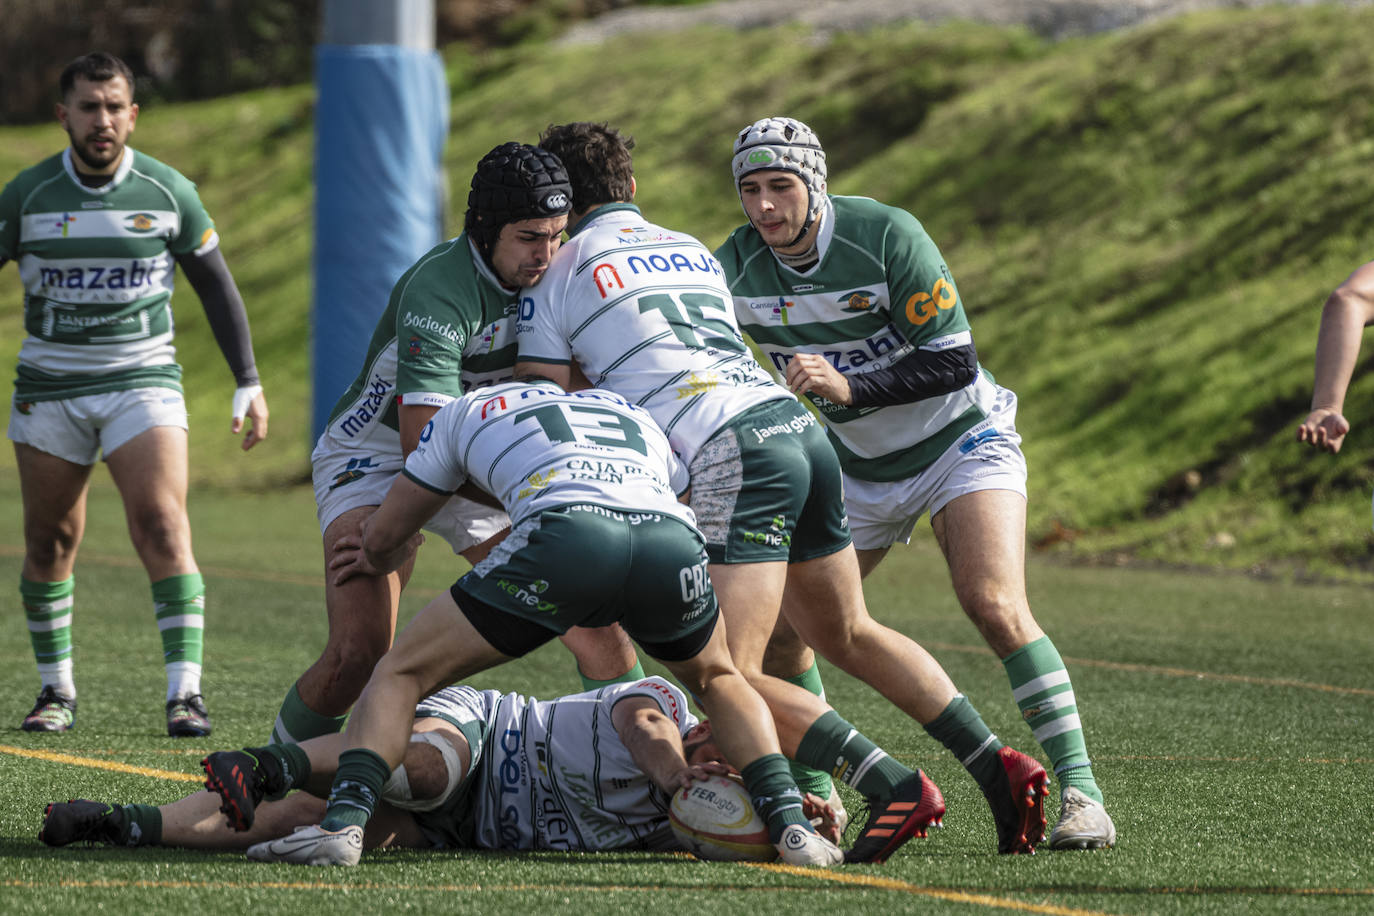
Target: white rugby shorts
[(347, 477), (81, 429), (987, 457)]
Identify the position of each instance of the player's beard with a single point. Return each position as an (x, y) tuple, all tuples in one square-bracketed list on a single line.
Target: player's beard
[(95, 161)]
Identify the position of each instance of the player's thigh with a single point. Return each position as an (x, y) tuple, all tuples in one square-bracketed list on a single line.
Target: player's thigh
[(668, 601), (750, 483), (150, 471), (983, 537), (53, 491), (363, 608), (437, 647)]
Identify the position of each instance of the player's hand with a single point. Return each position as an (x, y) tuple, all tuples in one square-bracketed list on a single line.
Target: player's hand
[(699, 772), (1324, 428), (249, 401), (811, 372), (349, 559), (822, 816)]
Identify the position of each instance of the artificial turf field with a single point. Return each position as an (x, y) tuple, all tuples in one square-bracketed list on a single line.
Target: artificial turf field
[(1231, 724)]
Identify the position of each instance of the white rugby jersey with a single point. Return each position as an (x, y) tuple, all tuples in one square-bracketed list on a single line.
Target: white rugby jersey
[(537, 447), (645, 312), (556, 775)]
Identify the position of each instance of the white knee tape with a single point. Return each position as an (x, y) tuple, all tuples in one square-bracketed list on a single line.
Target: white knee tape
[(397, 789)]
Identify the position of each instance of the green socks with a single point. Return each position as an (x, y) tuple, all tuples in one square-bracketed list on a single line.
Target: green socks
[(775, 796), (808, 779), (142, 825), (1040, 684), (833, 743), (357, 787), (179, 604), (48, 610), (629, 677), (960, 728), (281, 767), (297, 722)]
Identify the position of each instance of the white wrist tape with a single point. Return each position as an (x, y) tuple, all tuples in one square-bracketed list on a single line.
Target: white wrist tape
[(244, 397)]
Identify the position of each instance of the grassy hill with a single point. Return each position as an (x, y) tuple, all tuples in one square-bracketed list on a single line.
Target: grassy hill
[(1143, 225)]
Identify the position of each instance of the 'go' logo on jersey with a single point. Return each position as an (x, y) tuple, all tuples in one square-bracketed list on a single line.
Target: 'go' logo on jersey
[(922, 307)]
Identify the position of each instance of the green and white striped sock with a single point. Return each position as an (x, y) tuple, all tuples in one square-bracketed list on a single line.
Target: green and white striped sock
[(179, 603), (1040, 684), (48, 610)]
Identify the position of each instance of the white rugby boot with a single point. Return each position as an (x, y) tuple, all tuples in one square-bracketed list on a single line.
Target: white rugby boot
[(799, 846), (1083, 823), (312, 845)]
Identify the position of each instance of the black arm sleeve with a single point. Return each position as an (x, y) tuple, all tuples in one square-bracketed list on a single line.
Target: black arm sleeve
[(223, 305), (918, 375)]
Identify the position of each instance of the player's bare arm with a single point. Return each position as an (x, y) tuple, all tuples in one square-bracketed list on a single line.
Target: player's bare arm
[(390, 535), (1348, 310), (656, 746), (413, 418)]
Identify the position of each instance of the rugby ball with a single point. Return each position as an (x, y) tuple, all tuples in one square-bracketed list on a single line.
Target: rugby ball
[(713, 819)]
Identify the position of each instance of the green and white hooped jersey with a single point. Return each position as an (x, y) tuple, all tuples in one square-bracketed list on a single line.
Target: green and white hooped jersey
[(879, 291), (555, 774), (97, 266), (448, 327), (645, 312), (537, 447)]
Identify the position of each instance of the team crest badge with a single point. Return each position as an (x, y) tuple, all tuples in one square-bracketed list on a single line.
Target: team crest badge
[(858, 301)]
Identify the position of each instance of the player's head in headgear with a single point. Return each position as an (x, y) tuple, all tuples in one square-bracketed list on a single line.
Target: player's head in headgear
[(781, 145), (97, 110), (517, 208), (597, 157)]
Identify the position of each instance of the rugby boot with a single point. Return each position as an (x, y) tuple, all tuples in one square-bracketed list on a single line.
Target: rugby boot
[(1017, 800), (914, 807)]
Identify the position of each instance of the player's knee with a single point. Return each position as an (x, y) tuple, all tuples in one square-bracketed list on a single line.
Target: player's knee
[(159, 532), (428, 775)]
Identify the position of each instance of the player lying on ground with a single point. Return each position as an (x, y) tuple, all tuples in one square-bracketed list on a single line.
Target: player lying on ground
[(607, 762), (597, 537)]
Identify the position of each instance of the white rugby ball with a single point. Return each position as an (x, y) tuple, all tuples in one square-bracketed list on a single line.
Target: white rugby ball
[(713, 819)]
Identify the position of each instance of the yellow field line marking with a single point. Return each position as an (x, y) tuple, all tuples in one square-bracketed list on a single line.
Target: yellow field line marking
[(881, 883), (109, 765), (1174, 672), (891, 884)]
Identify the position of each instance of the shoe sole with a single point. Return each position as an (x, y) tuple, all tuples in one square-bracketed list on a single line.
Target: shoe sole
[(238, 819)]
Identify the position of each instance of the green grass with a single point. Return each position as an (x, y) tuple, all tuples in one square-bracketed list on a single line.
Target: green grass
[(1143, 225), (1228, 720)]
